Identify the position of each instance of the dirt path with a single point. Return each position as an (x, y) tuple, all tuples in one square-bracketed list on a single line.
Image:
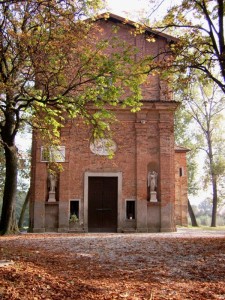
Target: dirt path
[(188, 264)]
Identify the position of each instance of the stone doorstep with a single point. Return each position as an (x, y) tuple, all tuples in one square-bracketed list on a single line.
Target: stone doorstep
[(74, 230), (129, 230), (5, 263)]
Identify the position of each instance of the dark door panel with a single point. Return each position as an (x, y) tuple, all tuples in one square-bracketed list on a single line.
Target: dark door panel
[(102, 204)]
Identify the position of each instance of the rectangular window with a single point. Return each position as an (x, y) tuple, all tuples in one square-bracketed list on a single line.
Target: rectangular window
[(53, 154), (181, 171), (74, 208), (130, 209)]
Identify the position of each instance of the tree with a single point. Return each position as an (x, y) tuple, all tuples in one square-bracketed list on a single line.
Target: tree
[(23, 185), (192, 215), (205, 105), (23, 182), (23, 210), (199, 25), (199, 50), (183, 136), (52, 65)]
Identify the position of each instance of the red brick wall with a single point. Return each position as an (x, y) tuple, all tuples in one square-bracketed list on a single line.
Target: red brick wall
[(145, 142), (181, 196)]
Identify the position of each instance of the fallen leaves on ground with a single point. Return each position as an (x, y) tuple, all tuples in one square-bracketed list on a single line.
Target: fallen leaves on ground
[(112, 266)]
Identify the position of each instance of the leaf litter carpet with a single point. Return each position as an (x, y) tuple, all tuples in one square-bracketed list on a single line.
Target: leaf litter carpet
[(188, 264)]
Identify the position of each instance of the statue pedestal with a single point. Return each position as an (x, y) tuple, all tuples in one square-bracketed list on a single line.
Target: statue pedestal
[(153, 197), (51, 197)]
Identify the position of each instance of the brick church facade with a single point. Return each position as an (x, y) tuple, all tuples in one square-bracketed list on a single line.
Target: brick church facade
[(143, 188)]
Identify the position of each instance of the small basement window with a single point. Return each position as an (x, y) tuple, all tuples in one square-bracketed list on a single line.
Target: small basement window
[(74, 208), (130, 209)]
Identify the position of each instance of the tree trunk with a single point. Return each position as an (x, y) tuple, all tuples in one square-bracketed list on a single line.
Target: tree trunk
[(192, 215), (220, 8), (215, 200), (213, 180), (22, 214), (8, 220)]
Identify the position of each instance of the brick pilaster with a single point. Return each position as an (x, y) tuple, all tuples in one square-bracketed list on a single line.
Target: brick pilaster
[(167, 178), (141, 171)]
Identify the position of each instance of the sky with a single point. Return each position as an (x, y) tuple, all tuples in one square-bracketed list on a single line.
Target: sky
[(135, 8)]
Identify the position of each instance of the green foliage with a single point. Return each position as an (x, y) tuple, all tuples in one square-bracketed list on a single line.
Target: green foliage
[(99, 79), (203, 213), (199, 27), (63, 66), (20, 198), (184, 136), (204, 104), (204, 220), (73, 218), (21, 195)]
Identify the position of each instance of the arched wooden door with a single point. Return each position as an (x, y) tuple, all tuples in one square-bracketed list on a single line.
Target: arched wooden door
[(102, 204)]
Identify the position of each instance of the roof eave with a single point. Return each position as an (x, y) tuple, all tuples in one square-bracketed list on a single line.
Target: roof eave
[(108, 16)]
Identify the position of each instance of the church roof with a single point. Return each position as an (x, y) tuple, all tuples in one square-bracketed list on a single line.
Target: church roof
[(109, 16), (181, 149)]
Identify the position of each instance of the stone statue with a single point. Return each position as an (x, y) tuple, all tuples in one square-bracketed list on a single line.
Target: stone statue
[(52, 182), (152, 180)]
